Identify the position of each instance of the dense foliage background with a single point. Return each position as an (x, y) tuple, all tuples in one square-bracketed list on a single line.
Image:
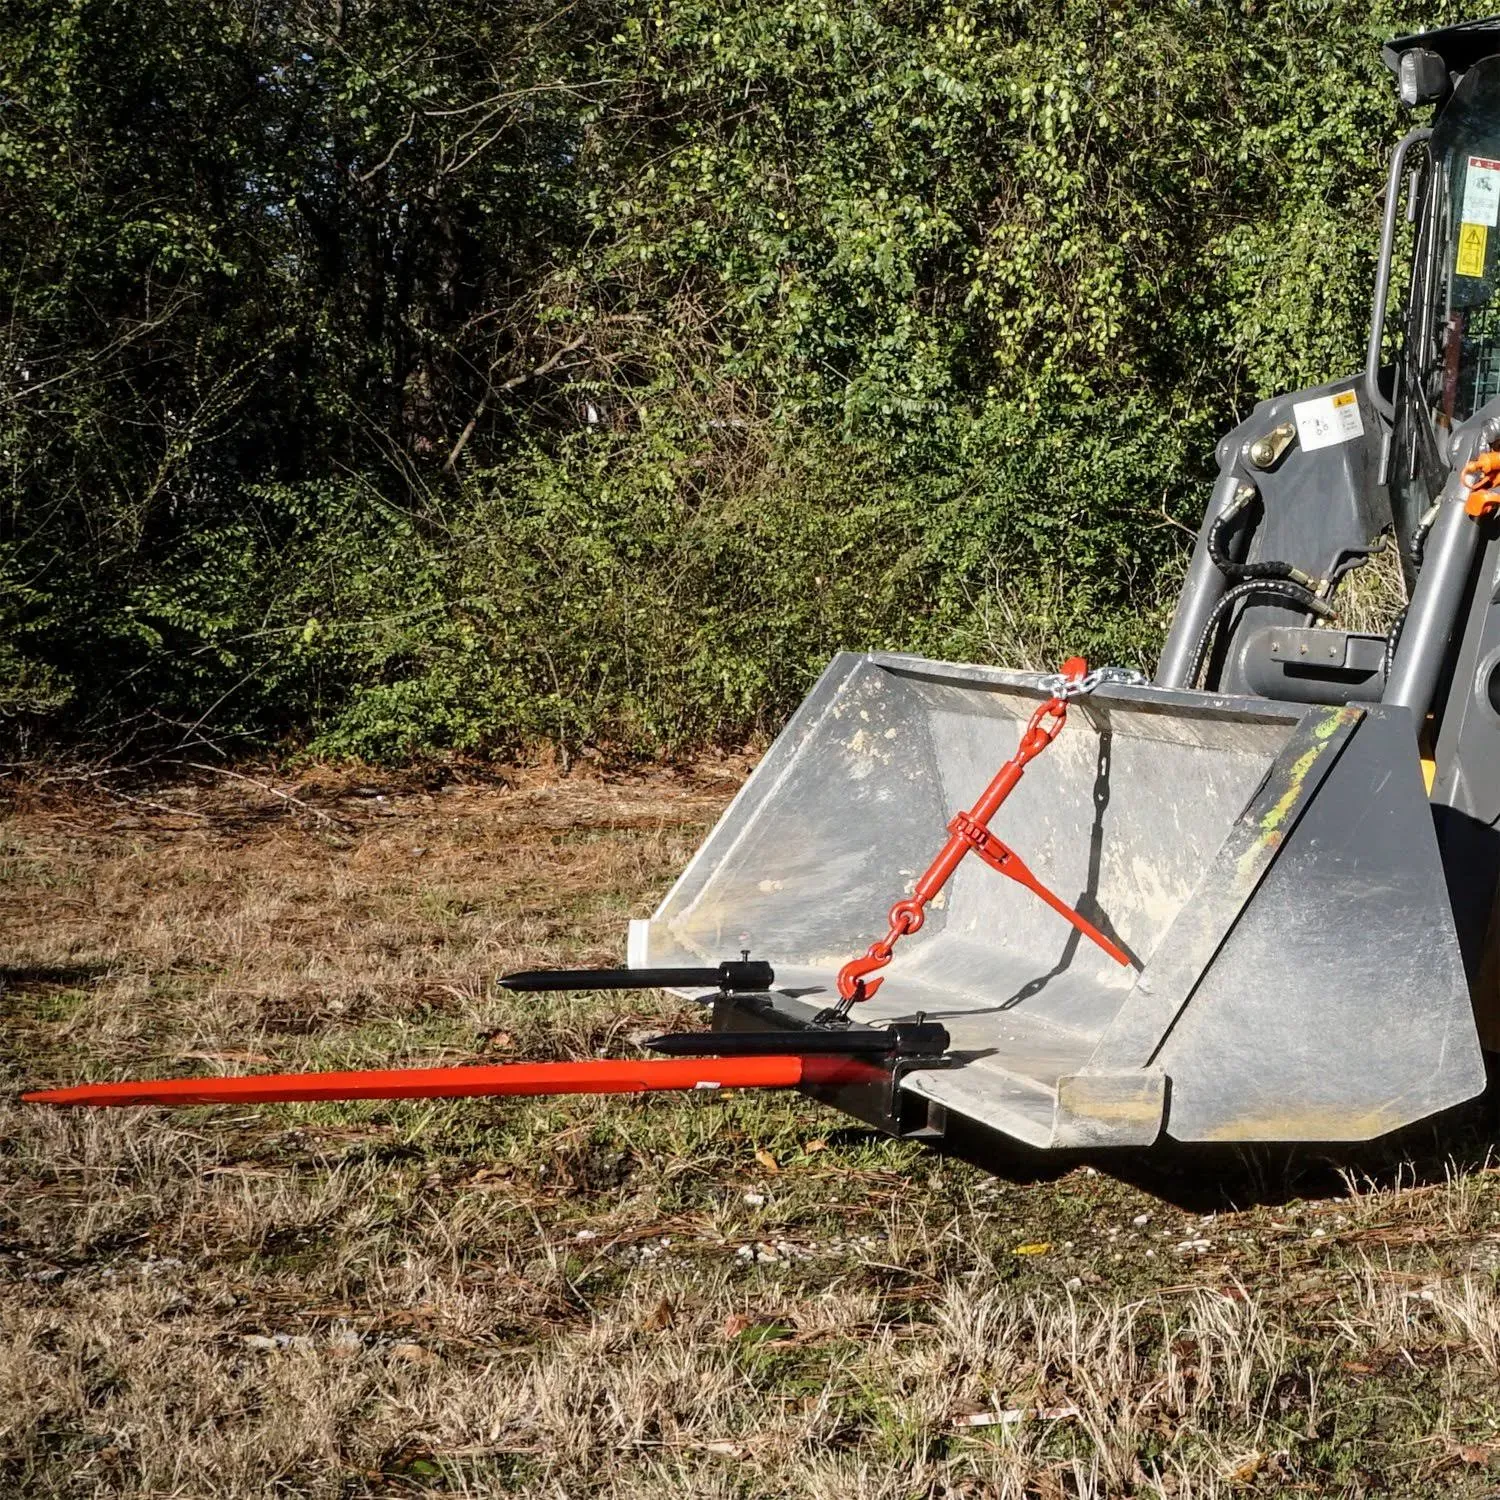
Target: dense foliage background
[(394, 377)]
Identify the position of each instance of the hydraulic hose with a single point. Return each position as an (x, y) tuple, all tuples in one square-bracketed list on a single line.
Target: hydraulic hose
[(1270, 578), (1420, 533), (1200, 591), (1294, 593), (1240, 572), (1392, 641)]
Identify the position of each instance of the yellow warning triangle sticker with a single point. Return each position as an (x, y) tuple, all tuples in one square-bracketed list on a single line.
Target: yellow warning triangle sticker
[(1473, 239)]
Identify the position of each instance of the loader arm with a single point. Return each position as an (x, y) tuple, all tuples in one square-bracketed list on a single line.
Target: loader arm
[(1322, 480)]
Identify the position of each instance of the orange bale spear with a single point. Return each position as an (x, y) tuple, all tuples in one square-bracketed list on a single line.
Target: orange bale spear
[(504, 1079)]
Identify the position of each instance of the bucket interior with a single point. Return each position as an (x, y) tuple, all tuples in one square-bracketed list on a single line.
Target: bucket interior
[(1120, 817)]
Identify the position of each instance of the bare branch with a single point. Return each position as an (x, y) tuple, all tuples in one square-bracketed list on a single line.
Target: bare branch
[(264, 786), (545, 368), (385, 160)]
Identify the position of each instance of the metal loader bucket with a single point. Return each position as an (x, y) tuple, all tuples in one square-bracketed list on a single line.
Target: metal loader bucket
[(1272, 869)]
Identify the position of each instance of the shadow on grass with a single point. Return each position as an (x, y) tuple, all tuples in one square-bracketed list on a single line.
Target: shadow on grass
[(1216, 1177), (21, 976)]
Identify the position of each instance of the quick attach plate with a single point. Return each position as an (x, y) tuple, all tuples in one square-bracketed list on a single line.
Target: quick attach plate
[(881, 1101)]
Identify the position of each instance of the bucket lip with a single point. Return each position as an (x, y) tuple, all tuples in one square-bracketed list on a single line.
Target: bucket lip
[(1245, 708)]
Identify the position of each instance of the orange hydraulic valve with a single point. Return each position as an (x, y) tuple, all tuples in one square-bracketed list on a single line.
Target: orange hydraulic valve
[(1481, 478), (503, 1079)]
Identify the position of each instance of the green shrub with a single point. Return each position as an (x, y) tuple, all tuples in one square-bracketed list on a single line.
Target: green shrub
[(413, 378)]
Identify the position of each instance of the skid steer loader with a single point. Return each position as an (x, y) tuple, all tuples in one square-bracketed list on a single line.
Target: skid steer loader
[(1251, 900)]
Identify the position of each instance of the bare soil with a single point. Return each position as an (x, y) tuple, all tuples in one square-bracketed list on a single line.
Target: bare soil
[(732, 1296)]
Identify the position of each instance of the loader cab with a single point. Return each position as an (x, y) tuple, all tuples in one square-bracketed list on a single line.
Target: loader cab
[(1448, 366)]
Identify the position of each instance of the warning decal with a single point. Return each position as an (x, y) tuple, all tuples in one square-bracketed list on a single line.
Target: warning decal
[(1327, 420), (1482, 192), (1472, 242)]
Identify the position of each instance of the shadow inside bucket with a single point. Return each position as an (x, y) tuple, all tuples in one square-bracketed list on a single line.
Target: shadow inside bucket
[(1087, 901)]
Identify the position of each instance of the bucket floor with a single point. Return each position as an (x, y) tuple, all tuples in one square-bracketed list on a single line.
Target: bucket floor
[(1012, 1046)]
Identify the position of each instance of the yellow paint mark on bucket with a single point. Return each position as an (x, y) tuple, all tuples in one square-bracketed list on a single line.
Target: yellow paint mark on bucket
[(1277, 814)]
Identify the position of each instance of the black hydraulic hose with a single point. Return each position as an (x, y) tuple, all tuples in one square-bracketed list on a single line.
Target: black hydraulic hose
[(1418, 543), (1392, 640), (1271, 578), (1239, 572), (1294, 593)]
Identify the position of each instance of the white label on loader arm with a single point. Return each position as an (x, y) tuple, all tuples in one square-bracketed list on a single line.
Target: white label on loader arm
[(1327, 420), (1481, 192)]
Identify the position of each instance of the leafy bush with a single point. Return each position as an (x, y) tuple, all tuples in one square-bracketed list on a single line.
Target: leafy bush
[(396, 379)]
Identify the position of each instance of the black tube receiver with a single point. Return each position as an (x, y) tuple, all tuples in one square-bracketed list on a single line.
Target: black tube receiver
[(904, 1039)]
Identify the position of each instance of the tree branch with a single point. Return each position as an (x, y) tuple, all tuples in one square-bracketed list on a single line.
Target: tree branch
[(546, 367), (385, 160)]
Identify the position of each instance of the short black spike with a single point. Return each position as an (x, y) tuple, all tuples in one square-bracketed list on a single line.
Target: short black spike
[(734, 977)]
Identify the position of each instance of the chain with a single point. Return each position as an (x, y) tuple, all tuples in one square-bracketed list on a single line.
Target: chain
[(970, 833), (1065, 688)]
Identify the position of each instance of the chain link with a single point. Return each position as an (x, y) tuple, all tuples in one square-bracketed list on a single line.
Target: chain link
[(970, 832), (1058, 686)]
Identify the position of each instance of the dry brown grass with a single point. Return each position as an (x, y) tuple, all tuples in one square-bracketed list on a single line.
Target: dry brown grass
[(1372, 597), (614, 1297)]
